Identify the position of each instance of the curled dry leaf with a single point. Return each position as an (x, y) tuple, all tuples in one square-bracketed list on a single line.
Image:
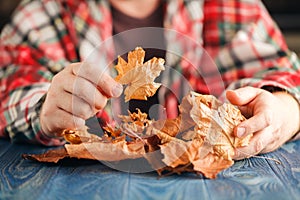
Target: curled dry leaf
[(116, 151), (53, 155), (80, 136), (139, 76), (210, 145), (168, 126)]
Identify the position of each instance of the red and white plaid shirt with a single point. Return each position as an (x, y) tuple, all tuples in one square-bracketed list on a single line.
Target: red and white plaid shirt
[(44, 36)]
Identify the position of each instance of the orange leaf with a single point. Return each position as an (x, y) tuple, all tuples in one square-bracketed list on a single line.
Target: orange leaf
[(139, 76)]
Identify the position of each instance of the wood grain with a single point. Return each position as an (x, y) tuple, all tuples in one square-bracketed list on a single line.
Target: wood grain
[(254, 178)]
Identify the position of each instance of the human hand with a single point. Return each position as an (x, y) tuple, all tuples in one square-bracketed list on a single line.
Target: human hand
[(273, 118), (76, 93)]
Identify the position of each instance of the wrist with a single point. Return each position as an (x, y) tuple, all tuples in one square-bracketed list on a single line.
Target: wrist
[(293, 108)]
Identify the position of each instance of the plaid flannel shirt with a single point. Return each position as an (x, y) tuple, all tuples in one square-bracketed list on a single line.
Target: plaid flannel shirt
[(44, 36)]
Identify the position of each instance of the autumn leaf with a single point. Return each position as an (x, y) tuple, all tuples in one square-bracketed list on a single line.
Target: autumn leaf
[(80, 136), (139, 76), (216, 120), (207, 143), (51, 156), (168, 126), (117, 151)]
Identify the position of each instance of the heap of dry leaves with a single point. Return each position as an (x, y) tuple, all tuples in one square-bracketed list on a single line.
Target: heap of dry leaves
[(199, 140)]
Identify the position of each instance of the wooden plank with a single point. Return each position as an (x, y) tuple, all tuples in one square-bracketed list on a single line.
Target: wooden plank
[(254, 178)]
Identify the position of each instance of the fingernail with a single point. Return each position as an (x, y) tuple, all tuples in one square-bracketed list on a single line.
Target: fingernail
[(241, 131), (117, 90)]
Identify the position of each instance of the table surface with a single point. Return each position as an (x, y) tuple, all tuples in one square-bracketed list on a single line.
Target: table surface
[(254, 178)]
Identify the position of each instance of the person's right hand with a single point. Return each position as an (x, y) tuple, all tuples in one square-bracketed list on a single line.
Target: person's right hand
[(76, 93)]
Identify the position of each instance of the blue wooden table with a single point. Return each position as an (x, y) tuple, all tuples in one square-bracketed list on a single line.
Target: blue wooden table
[(253, 178)]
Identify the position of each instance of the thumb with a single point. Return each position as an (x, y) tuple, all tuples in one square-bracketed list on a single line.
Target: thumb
[(242, 96)]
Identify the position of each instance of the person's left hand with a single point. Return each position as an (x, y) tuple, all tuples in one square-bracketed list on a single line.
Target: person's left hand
[(273, 118)]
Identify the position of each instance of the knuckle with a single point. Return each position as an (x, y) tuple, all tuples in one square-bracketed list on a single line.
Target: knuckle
[(91, 96), (73, 68), (104, 78), (268, 117), (66, 121), (80, 69), (86, 70), (105, 81), (83, 89), (84, 111), (101, 103), (56, 79)]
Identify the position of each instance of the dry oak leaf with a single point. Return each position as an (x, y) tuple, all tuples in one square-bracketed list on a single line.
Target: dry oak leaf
[(139, 76)]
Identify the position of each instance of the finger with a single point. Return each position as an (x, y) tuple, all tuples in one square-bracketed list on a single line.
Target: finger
[(75, 106), (59, 120), (99, 77), (243, 95), (257, 145), (246, 110), (257, 122), (87, 91)]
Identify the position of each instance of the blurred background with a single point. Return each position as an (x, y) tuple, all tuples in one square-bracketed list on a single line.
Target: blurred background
[(285, 12), (287, 15)]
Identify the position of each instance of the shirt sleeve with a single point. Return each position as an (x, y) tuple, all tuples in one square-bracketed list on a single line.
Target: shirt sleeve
[(257, 55), (34, 46)]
